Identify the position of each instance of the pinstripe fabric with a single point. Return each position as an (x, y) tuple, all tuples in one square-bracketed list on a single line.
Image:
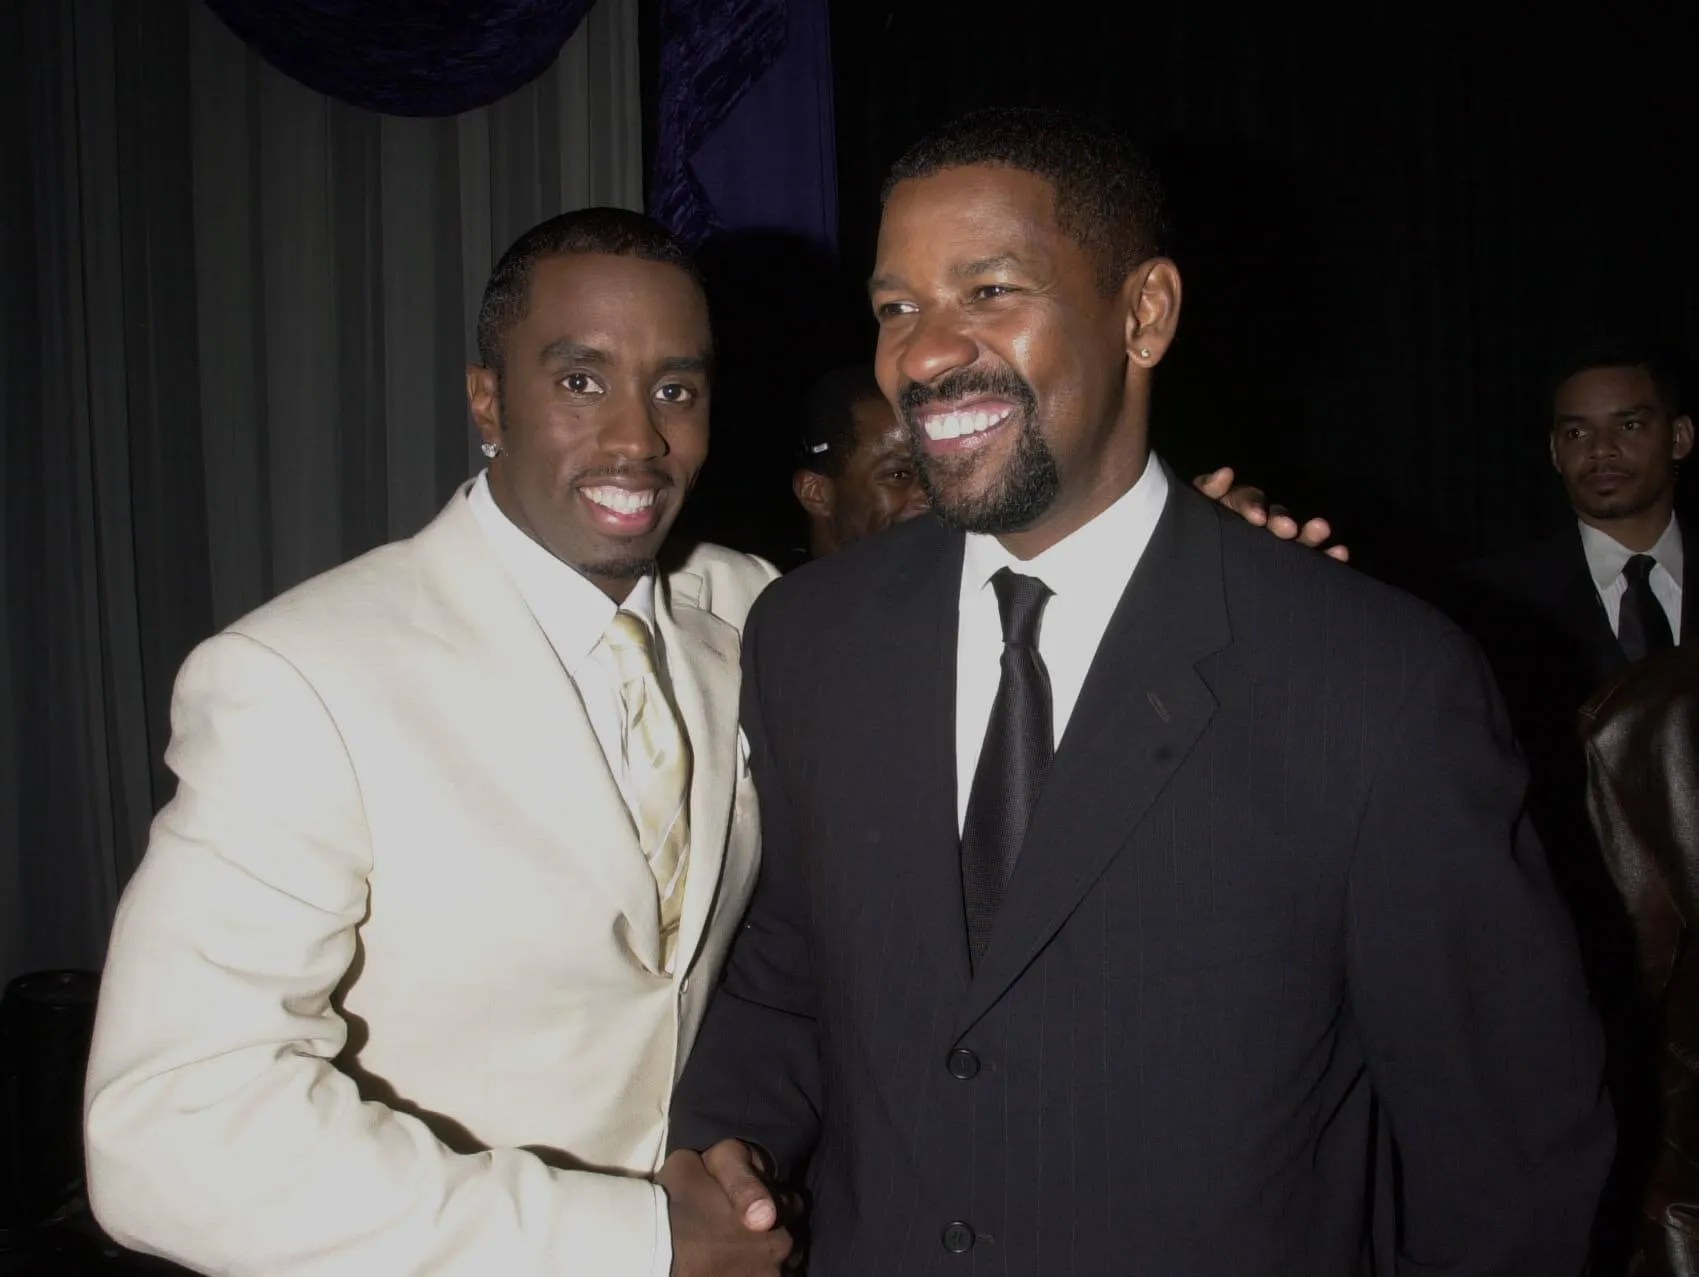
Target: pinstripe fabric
[(1270, 903)]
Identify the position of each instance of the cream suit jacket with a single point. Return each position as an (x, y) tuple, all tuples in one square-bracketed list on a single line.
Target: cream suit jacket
[(385, 995)]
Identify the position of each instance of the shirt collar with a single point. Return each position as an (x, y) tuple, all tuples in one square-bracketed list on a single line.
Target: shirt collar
[(1606, 556), (573, 612), (1097, 559)]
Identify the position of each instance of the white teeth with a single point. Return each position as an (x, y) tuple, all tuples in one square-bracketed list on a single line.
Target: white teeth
[(953, 425), (620, 501)]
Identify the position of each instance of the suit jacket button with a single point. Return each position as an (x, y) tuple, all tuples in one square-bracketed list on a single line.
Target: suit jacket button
[(958, 1238), (963, 1064)]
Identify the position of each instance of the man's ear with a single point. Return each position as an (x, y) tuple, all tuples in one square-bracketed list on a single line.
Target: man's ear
[(1551, 448), (1151, 295), (815, 492), (1682, 429), (484, 402)]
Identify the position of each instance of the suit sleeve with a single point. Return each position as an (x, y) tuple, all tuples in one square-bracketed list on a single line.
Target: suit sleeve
[(219, 1131), (1465, 980), (754, 1073)]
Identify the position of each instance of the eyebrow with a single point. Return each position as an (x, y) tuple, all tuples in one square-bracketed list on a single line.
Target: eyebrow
[(985, 265), (564, 350), (962, 270), (1620, 414)]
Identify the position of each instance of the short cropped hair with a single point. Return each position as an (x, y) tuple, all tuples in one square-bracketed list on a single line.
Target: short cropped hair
[(828, 435), (1622, 352), (1108, 198), (616, 232)]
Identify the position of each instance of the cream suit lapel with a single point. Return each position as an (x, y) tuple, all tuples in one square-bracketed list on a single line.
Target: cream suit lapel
[(702, 663), (524, 717)]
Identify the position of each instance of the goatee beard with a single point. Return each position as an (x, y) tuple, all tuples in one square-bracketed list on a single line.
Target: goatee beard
[(1029, 481), (631, 569)]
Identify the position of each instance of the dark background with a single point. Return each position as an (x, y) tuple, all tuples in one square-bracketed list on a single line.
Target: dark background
[(1390, 225)]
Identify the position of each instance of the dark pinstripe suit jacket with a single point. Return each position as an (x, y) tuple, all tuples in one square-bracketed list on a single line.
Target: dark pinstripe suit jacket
[(1275, 893)]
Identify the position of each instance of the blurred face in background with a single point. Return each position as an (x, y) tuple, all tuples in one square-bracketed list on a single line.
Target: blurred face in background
[(875, 487), (1616, 445)]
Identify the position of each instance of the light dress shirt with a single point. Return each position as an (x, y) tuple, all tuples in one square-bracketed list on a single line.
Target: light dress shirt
[(1087, 573), (1606, 558), (573, 615)]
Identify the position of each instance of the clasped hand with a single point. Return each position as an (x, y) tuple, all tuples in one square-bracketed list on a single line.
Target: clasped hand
[(725, 1221)]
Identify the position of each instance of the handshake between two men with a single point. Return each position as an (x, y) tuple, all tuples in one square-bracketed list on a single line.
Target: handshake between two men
[(725, 1219)]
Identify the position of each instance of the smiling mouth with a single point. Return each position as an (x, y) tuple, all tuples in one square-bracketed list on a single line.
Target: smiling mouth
[(622, 501), (965, 422)]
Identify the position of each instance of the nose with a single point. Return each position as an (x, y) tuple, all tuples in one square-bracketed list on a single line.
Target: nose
[(1602, 443), (933, 345), (629, 430)]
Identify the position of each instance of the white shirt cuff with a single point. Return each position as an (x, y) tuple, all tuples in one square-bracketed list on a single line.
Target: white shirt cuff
[(663, 1265)]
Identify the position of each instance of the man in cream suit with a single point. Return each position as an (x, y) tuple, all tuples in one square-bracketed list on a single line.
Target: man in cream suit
[(462, 832)]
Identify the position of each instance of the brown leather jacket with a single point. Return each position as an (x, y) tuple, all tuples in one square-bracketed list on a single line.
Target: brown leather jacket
[(1641, 734)]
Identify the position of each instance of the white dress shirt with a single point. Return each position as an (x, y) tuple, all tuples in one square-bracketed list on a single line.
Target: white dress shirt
[(1087, 573), (1606, 558), (573, 615)]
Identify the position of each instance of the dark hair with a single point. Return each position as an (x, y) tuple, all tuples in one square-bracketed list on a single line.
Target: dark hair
[(617, 232), (1109, 200), (828, 417), (1621, 352)]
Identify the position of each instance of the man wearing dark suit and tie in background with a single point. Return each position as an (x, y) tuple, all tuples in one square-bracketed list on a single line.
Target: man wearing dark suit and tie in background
[(1559, 619), (1564, 615), (1192, 888)]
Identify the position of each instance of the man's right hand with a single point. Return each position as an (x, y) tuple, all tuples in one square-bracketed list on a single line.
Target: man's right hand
[(710, 1236)]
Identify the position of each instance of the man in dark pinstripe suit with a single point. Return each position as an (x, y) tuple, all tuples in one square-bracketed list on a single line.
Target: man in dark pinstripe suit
[(1188, 925)]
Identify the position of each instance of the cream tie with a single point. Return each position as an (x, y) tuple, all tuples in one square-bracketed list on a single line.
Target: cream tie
[(657, 762)]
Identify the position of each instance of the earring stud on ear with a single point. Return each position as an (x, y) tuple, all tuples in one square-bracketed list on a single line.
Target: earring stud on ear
[(1143, 353), (490, 450)]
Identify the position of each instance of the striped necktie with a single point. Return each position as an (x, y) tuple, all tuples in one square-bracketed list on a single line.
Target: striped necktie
[(657, 763)]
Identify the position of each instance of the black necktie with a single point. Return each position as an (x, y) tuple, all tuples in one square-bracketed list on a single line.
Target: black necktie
[(1642, 627), (1012, 762)]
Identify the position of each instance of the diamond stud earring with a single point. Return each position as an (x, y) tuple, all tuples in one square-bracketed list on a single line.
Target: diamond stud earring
[(490, 450)]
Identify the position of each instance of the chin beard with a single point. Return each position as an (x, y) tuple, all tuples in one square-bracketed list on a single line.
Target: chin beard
[(1018, 498), (1624, 507), (1029, 482), (628, 569)]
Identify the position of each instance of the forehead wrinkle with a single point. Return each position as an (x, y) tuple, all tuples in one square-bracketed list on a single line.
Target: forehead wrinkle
[(968, 233)]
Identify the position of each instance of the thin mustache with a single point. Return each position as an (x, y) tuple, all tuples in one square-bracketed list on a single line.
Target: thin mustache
[(916, 395), (585, 477)]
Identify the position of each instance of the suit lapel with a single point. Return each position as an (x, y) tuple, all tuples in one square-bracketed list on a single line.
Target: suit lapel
[(529, 723), (1142, 707), (917, 616), (1585, 616), (702, 662)]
